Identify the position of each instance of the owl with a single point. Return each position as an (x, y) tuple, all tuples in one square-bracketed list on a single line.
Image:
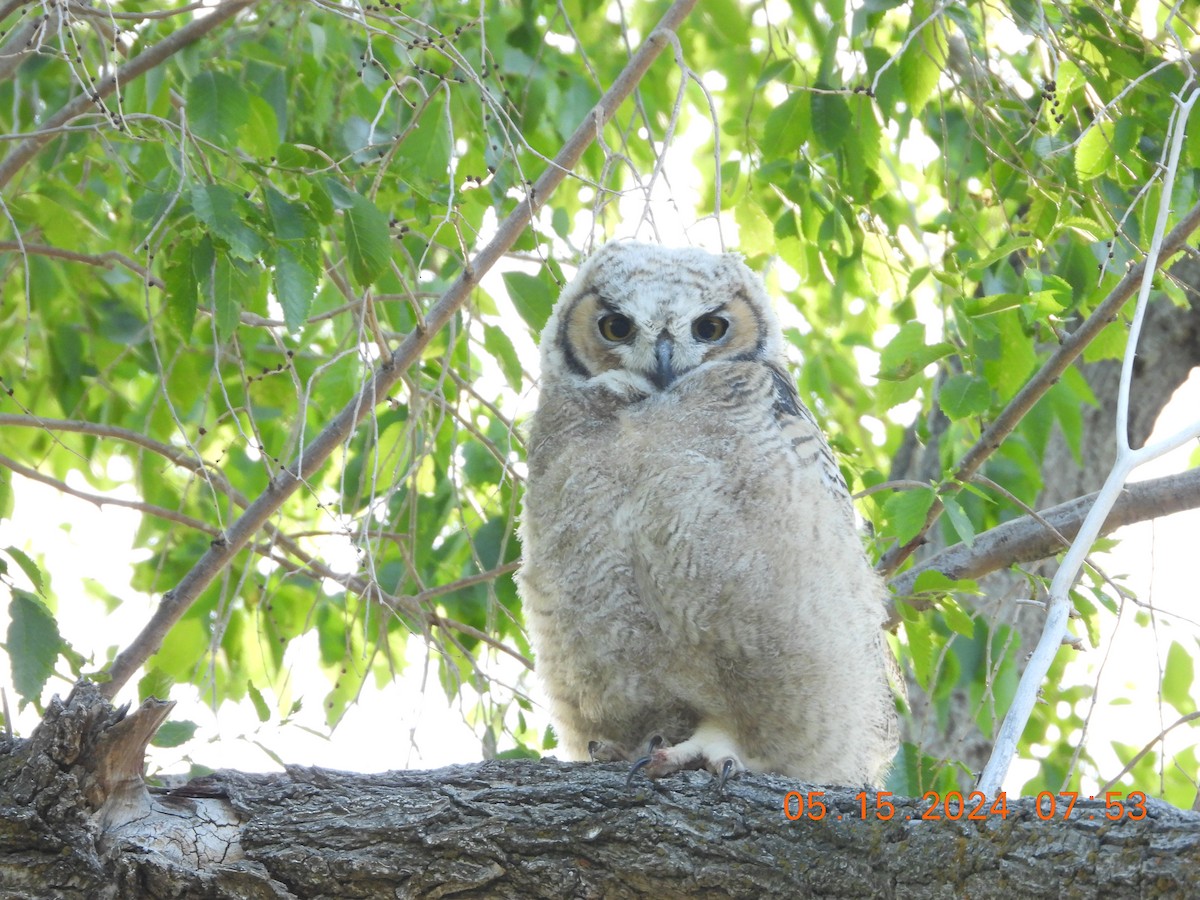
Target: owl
[(693, 581)]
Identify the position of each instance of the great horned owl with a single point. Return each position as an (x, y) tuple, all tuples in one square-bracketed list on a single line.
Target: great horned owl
[(693, 580)]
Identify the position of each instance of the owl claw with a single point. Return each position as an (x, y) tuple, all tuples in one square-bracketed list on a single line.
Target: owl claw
[(655, 742), (634, 769), (729, 768)]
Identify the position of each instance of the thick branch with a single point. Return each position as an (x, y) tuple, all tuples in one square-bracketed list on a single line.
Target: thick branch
[(533, 829), (175, 603), (136, 67), (1026, 540), (1045, 378)]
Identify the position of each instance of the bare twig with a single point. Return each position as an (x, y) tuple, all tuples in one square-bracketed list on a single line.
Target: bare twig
[(102, 260), (176, 602), (100, 500), (1182, 720)]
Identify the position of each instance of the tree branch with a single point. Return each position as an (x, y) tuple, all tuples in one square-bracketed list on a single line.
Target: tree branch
[(136, 67), (542, 829), (102, 260), (176, 602), (1026, 540)]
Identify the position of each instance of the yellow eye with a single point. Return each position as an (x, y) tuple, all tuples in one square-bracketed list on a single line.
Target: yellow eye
[(709, 328), (616, 328)]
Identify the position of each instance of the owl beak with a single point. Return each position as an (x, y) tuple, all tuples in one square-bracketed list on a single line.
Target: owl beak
[(664, 374)]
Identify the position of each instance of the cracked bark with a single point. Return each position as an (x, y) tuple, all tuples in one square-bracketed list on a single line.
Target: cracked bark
[(529, 829)]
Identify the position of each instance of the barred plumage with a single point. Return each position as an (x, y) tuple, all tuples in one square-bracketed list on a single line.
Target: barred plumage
[(693, 581)]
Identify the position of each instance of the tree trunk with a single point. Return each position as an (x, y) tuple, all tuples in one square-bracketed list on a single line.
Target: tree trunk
[(74, 826)]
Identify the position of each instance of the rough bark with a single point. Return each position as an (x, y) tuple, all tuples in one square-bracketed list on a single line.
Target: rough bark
[(527, 829)]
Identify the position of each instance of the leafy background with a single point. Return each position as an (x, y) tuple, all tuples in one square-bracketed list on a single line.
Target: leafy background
[(204, 266)]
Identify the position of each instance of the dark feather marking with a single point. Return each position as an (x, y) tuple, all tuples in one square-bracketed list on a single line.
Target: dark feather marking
[(574, 363), (788, 403), (787, 398), (761, 343)]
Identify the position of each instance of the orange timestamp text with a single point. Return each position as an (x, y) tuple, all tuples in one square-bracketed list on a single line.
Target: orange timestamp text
[(974, 806)]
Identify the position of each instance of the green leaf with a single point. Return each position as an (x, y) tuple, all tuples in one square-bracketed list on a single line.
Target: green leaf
[(259, 134), (425, 153), (756, 233), (6, 496), (1016, 359), (368, 240), (497, 343), (217, 207), (295, 286), (1094, 154), (919, 637), (33, 644), (923, 60), (907, 354), (956, 618), (29, 567), (958, 518), (906, 511), (172, 734), (964, 395), (217, 107), (260, 704), (830, 119), (1178, 678), (931, 581), (182, 296), (1010, 246), (787, 127), (230, 286), (291, 221), (532, 297), (1090, 615)]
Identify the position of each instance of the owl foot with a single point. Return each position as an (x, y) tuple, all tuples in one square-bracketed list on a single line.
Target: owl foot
[(709, 748), (603, 751)]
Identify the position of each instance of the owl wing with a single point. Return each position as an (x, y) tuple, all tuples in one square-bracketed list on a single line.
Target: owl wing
[(807, 440)]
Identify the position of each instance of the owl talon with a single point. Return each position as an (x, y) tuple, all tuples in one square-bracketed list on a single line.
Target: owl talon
[(656, 741), (729, 768), (634, 769)]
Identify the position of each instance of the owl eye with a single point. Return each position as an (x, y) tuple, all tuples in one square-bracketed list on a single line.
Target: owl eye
[(709, 328), (616, 328)]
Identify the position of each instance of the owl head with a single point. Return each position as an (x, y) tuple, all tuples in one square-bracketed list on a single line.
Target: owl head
[(637, 317)]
